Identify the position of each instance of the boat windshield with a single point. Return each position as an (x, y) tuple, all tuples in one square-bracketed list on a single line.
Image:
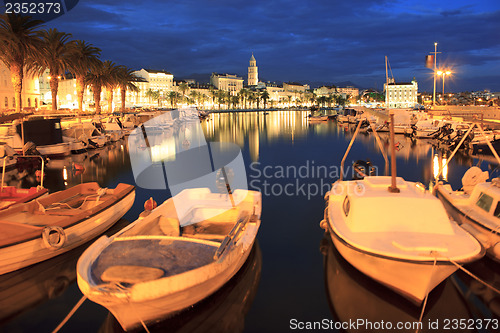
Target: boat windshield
[(484, 202)]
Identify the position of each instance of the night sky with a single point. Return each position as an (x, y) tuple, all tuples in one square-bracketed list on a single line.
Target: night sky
[(306, 41)]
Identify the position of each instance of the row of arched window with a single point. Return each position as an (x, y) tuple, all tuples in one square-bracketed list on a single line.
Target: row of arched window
[(13, 105)]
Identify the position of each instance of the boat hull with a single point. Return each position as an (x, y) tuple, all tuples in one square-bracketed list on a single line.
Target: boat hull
[(130, 313), (412, 279), (488, 238), (23, 254)]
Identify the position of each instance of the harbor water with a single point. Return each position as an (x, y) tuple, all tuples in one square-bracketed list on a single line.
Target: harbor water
[(294, 277)]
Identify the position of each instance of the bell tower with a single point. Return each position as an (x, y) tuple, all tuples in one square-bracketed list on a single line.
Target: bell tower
[(253, 75)]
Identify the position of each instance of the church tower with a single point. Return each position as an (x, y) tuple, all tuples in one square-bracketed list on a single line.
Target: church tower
[(253, 75)]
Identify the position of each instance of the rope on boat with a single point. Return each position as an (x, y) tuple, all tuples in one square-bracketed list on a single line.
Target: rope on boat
[(70, 314), (474, 276), (427, 292), (56, 205)]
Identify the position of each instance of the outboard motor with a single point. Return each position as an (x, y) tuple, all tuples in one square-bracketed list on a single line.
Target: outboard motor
[(361, 169)]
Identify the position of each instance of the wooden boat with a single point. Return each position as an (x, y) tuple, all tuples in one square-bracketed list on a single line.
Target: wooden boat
[(223, 311), (41, 229), (403, 240), (476, 208), (11, 195), (158, 266)]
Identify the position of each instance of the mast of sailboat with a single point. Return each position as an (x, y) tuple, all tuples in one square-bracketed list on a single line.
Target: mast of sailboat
[(393, 188)]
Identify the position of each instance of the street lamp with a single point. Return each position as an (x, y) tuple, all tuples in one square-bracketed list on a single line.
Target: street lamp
[(443, 73)]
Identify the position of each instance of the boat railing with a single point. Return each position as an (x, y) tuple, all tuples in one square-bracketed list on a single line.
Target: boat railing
[(352, 141), (34, 156), (462, 141), (237, 228)]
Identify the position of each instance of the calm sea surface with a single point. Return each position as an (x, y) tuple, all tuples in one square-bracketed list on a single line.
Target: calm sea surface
[(294, 274)]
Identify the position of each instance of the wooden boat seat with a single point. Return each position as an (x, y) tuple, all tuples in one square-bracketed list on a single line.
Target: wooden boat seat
[(131, 274), (214, 227)]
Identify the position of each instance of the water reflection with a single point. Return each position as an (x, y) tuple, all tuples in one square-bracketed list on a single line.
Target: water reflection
[(352, 296), (223, 312)]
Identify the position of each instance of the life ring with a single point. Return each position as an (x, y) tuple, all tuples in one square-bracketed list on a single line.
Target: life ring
[(53, 237)]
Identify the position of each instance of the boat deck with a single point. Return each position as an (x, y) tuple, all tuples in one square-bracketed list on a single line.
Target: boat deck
[(168, 256)]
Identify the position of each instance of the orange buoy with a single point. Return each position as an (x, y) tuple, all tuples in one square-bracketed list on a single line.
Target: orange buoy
[(150, 204)]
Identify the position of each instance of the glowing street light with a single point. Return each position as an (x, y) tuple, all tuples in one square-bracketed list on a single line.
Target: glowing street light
[(443, 73)]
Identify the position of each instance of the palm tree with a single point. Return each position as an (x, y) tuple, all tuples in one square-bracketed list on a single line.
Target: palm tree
[(95, 79), (183, 87), (19, 43), (105, 74), (83, 58), (111, 72), (126, 77), (265, 96), (194, 96), (172, 96), (56, 52)]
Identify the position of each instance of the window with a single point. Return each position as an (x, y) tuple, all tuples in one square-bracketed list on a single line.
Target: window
[(484, 202), (346, 206), (6, 102), (13, 102), (29, 102), (497, 210)]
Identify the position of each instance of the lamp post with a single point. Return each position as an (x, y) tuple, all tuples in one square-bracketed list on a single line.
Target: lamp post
[(443, 73)]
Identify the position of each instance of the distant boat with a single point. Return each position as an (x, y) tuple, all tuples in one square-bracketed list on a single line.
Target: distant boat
[(38, 230), (476, 207), (159, 265)]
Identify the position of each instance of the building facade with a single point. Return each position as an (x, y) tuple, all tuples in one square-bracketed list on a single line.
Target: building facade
[(227, 82), (253, 72), (30, 95), (401, 95)]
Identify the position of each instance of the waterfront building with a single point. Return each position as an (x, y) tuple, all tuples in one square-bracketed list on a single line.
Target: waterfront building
[(227, 82), (156, 80), (295, 87), (30, 95), (401, 95), (253, 73)]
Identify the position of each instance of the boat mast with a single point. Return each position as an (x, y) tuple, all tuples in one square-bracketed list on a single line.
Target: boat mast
[(393, 188)]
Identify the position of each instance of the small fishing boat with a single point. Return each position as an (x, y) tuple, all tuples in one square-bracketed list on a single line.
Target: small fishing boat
[(172, 258), (41, 229), (11, 195), (396, 231), (476, 207), (408, 234)]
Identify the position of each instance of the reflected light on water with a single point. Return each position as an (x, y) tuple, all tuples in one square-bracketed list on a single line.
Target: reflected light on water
[(165, 151), (438, 163)]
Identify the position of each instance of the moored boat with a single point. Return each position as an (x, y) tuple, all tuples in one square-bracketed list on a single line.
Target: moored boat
[(165, 262), (38, 230), (403, 240), (476, 207)]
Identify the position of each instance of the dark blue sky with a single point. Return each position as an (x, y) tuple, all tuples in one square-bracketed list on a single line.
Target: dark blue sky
[(324, 40)]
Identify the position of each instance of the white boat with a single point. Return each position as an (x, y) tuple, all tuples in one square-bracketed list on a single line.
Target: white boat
[(427, 128), (403, 240), (46, 134), (476, 207), (39, 230), (165, 262)]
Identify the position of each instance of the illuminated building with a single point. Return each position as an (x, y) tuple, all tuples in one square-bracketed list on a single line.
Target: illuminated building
[(253, 72), (227, 82), (401, 95), (30, 95)]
